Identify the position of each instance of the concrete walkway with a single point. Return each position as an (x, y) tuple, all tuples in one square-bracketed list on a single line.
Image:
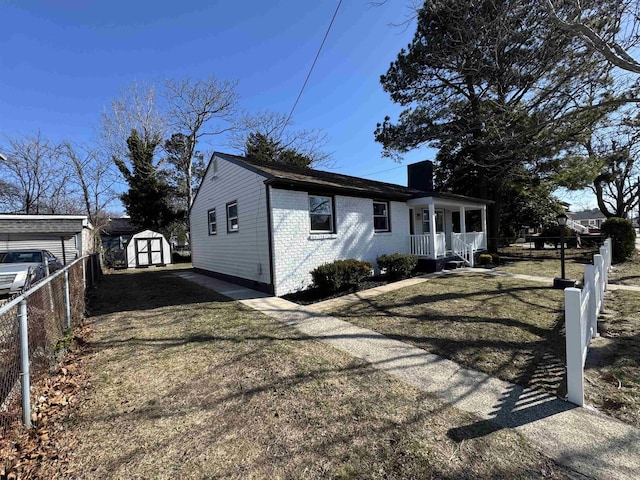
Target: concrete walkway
[(590, 443)]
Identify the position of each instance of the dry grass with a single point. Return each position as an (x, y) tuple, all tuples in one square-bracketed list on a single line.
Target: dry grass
[(514, 330), (543, 267), (613, 369), (506, 327), (627, 273), (187, 384)]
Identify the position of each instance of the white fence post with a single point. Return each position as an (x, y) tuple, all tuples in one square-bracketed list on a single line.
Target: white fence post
[(574, 339), (592, 308), (598, 261), (67, 301), (24, 363)]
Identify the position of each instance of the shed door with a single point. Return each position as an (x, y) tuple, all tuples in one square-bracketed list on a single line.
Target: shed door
[(142, 252), (155, 248), (148, 251)]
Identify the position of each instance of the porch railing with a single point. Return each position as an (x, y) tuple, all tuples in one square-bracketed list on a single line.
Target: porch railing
[(421, 245), (463, 250), (478, 240)]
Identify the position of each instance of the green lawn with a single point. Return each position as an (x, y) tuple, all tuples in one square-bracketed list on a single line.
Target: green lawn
[(188, 384)]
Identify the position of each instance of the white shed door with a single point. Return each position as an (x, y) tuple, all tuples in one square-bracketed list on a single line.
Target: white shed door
[(142, 252), (155, 246), (148, 251)]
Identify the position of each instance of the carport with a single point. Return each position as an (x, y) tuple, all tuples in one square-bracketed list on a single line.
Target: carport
[(66, 236)]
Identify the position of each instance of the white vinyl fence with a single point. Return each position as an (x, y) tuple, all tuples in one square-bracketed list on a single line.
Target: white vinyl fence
[(581, 307)]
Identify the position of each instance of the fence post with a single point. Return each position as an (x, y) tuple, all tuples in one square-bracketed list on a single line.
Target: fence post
[(592, 310), (575, 380), (24, 363), (84, 272), (67, 301), (598, 261)]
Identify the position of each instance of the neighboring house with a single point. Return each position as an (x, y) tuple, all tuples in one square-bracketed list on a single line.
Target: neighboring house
[(267, 225), (66, 236), (590, 219), (114, 238)]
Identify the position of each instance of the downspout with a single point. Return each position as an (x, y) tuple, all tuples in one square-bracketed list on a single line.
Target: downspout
[(272, 278)]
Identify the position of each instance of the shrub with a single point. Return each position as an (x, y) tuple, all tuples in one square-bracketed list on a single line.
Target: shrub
[(538, 243), (551, 234), (397, 265), (485, 259), (623, 237), (495, 258), (340, 274)]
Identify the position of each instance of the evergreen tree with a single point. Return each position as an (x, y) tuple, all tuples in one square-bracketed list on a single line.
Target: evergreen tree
[(493, 86), (261, 147), (148, 200)]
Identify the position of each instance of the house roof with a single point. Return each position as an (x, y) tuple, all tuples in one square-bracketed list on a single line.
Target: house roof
[(119, 226), (296, 178), (587, 215)]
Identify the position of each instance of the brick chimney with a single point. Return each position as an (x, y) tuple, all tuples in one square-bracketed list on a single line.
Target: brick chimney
[(420, 175)]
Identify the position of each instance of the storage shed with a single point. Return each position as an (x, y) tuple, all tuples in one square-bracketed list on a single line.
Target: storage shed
[(148, 248)]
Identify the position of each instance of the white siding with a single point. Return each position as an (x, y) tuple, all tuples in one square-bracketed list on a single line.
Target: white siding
[(20, 241), (244, 253), (297, 251)]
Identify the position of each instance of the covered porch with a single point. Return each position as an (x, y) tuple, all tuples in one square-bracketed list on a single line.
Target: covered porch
[(447, 226)]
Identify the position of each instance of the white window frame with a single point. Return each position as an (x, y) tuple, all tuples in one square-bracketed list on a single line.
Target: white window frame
[(230, 218), (331, 215), (386, 215), (212, 225)]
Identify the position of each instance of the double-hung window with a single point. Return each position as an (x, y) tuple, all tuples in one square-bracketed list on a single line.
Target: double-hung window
[(232, 216), (321, 214), (381, 216), (211, 220)]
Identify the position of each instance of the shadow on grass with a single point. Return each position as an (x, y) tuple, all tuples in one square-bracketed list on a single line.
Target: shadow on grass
[(147, 289)]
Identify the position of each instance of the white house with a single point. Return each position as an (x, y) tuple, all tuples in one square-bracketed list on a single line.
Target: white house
[(267, 225)]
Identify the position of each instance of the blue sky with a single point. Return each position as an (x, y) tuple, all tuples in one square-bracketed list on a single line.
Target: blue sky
[(63, 61)]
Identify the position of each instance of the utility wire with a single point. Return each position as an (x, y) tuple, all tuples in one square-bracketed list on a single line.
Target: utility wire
[(311, 69)]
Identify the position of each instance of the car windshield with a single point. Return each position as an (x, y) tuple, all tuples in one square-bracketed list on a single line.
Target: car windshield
[(22, 257)]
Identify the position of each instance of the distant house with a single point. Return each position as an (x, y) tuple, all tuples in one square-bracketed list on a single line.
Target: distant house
[(267, 225), (124, 245), (114, 237), (591, 219), (66, 236)]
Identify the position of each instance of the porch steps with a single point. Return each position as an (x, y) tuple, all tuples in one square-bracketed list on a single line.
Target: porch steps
[(453, 264)]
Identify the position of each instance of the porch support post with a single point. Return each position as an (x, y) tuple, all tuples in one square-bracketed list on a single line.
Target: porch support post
[(484, 225), (463, 222), (432, 230)]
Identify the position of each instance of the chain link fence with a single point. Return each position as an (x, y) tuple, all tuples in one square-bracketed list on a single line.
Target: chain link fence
[(46, 311)]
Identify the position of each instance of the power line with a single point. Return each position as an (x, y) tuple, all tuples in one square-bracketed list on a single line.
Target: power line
[(381, 171), (311, 69)]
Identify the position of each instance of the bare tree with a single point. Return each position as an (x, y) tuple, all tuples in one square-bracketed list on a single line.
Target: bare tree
[(95, 180), (135, 109), (273, 127), (197, 109), (39, 179)]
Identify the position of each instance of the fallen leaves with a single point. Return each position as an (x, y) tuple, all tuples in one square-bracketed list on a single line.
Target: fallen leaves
[(26, 453)]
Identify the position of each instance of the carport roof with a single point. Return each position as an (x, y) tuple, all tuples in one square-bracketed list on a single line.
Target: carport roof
[(47, 224)]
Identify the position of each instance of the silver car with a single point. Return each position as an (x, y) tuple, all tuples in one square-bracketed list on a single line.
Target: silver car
[(19, 269)]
